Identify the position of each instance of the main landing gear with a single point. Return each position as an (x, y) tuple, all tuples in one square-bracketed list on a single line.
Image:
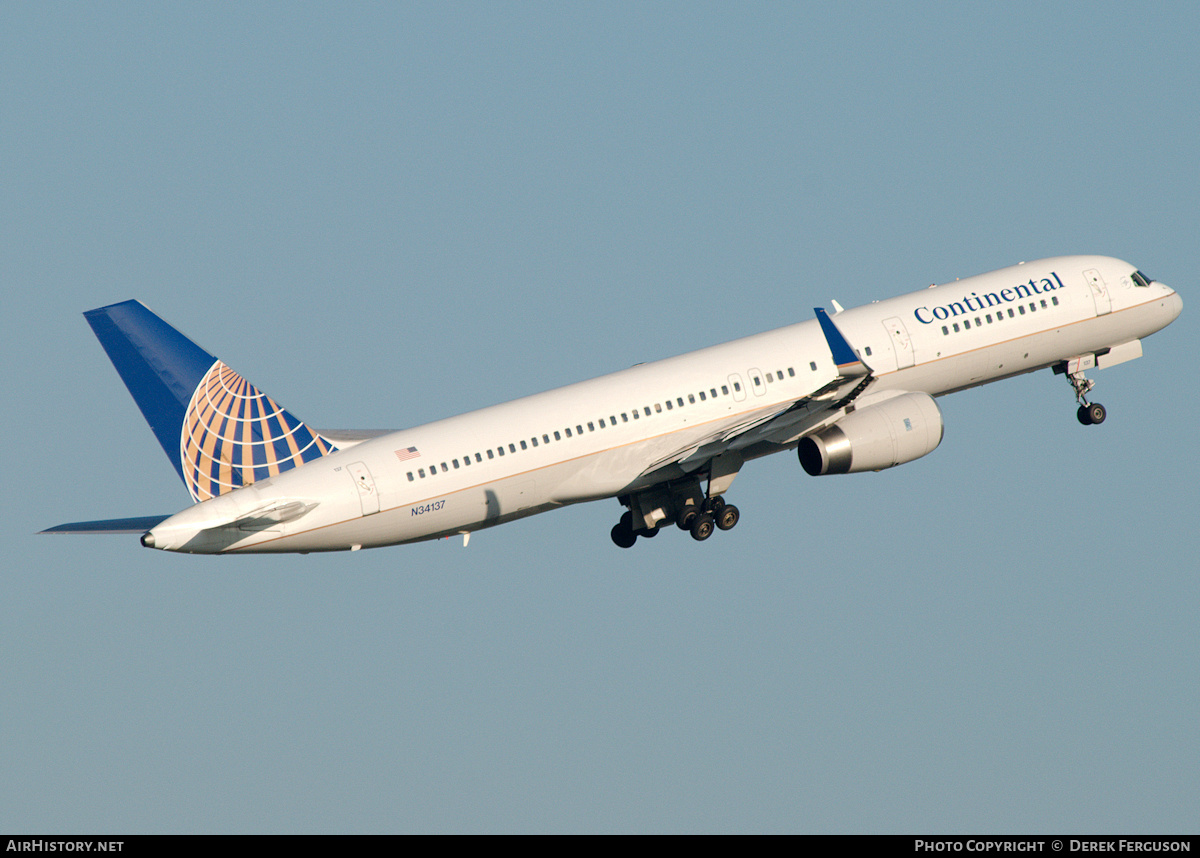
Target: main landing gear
[(700, 521), (1089, 413), (714, 513)]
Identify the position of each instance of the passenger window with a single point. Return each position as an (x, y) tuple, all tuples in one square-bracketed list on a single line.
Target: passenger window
[(713, 392), (636, 414), (791, 372), (669, 405), (956, 328), (444, 468), (812, 364), (601, 423), (724, 390), (680, 401), (557, 436), (612, 420), (467, 461), (658, 408), (771, 378), (454, 462), (1044, 305), (702, 399), (490, 456), (421, 473), (500, 450), (591, 427), (410, 476), (512, 448), (966, 324), (478, 458), (1054, 300), (1021, 309), (625, 416), (945, 330), (568, 431), (578, 430), (737, 385), (545, 439)]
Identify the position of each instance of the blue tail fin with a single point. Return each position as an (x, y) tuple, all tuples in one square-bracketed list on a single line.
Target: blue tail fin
[(219, 431)]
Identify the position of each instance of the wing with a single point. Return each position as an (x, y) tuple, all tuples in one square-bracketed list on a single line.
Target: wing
[(781, 423)]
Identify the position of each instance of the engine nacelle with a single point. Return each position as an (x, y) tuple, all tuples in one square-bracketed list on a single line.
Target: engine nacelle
[(893, 432)]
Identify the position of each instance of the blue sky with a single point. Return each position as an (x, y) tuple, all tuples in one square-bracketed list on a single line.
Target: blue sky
[(391, 213)]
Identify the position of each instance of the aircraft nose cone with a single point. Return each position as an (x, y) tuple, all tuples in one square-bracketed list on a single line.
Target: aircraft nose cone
[(1175, 305)]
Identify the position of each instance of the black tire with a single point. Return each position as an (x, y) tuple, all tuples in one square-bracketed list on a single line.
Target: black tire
[(728, 517), (687, 517), (1096, 413), (622, 537), (649, 533), (703, 527), (1083, 415)]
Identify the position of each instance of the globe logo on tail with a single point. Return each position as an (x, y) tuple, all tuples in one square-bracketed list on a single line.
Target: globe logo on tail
[(235, 435)]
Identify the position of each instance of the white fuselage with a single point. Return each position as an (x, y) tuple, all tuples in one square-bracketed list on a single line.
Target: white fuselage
[(628, 431)]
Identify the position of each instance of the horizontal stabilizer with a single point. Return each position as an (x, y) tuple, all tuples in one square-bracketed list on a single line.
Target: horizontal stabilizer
[(344, 439), (111, 525)]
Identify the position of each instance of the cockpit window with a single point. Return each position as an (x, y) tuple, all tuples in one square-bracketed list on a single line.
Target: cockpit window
[(1141, 279)]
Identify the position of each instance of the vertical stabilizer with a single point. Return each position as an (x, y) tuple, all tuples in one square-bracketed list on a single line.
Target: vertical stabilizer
[(219, 431)]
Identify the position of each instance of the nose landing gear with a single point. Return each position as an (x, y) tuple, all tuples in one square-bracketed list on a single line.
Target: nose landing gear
[(1089, 413)]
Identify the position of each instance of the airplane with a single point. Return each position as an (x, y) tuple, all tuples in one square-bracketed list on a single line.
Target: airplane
[(850, 392)]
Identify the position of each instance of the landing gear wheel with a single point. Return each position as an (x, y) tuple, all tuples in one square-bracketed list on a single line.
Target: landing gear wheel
[(623, 537), (687, 517), (714, 506), (1096, 413), (703, 527), (728, 517), (648, 534), (1083, 415)]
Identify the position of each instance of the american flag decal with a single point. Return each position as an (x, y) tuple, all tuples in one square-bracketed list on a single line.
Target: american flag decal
[(407, 453)]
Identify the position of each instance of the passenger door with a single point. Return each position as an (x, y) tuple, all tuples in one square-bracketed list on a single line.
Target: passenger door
[(901, 342), (1099, 291)]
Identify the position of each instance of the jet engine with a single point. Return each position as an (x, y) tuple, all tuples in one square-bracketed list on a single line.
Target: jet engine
[(889, 433)]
